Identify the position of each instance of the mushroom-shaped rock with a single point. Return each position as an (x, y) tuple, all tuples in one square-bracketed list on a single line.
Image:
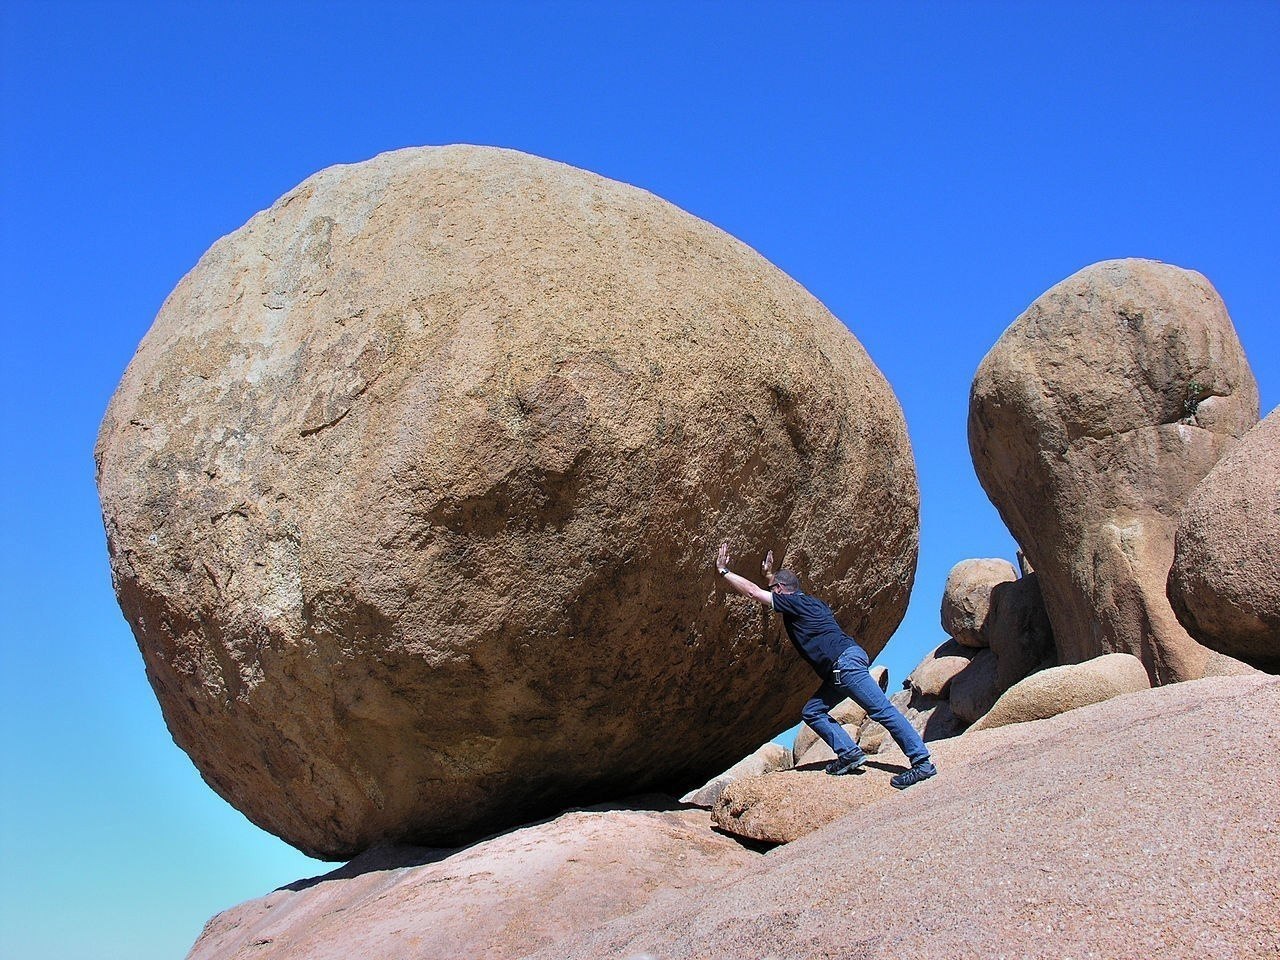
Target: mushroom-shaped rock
[(1059, 689), (411, 493), (966, 599), (1090, 421), (769, 758), (1225, 581)]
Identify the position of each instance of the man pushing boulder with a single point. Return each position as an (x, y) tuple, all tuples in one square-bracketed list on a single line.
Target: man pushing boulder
[(841, 664)]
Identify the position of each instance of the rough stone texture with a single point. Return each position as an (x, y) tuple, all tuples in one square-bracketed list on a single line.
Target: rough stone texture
[(1225, 581), (1157, 841), (976, 688), (932, 676), (1019, 631), (1059, 689), (769, 758), (501, 898), (783, 807), (845, 713), (966, 599), (413, 488), (1220, 665), (1090, 421)]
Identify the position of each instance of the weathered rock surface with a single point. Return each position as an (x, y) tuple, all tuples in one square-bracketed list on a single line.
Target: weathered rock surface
[(1090, 421), (780, 809), (1157, 841), (412, 488), (1019, 631), (501, 898), (966, 599), (769, 758), (845, 713), (1225, 581), (976, 688), (932, 676), (1059, 689)]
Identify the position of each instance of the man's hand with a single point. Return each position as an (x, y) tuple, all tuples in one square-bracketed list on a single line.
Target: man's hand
[(741, 584), (767, 568)]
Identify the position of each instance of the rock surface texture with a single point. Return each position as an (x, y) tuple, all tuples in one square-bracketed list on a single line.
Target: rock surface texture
[(769, 758), (498, 899), (1090, 421), (1157, 841), (1059, 689), (412, 489), (1225, 581), (966, 599)]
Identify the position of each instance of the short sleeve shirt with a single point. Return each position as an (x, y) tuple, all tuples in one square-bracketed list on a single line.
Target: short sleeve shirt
[(813, 629)]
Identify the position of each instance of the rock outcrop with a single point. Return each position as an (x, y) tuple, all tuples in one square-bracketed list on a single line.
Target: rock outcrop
[(1090, 421), (1019, 633), (498, 899), (412, 489), (966, 599), (769, 758), (1225, 580), (1059, 689), (1130, 848), (975, 689)]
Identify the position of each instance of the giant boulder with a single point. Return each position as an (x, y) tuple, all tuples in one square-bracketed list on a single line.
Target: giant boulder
[(1225, 580), (412, 490), (1090, 421)]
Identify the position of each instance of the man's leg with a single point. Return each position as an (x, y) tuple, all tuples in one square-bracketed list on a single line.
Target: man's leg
[(866, 693), (817, 714)]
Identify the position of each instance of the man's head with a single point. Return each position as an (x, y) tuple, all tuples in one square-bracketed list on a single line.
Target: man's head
[(784, 581)]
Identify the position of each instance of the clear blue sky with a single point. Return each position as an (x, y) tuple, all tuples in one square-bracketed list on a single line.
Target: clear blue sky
[(926, 170)]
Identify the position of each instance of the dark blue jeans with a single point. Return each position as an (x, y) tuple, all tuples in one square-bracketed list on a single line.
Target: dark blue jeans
[(850, 678)]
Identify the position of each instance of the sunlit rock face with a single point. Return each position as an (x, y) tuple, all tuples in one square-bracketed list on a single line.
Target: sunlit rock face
[(412, 492), (1090, 421)]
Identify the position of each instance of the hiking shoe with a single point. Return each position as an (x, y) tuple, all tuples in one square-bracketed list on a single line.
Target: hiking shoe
[(920, 771), (850, 763)]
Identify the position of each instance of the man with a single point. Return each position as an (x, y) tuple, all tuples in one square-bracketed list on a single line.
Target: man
[(843, 666)]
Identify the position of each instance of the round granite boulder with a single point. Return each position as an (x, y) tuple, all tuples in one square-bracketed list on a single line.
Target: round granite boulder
[(1225, 581), (413, 489)]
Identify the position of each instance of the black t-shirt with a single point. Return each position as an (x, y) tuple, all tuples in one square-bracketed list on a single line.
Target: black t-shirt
[(813, 630)]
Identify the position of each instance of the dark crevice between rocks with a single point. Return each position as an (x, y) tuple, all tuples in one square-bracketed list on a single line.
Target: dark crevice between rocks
[(755, 846)]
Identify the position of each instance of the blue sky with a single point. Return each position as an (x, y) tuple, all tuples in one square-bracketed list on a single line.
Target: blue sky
[(926, 170)]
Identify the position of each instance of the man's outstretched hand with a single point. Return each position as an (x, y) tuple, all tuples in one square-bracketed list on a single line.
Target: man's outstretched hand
[(767, 568), (722, 558)]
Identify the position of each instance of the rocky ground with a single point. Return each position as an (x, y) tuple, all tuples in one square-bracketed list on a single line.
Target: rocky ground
[(1144, 826)]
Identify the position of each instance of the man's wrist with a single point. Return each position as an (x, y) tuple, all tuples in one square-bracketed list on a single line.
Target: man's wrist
[(723, 571)]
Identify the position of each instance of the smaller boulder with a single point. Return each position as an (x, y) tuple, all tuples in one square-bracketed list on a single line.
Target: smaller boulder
[(819, 754), (769, 758), (966, 600), (976, 688), (1059, 689), (786, 806), (932, 676)]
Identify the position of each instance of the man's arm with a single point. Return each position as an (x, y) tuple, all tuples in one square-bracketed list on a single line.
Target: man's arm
[(741, 584)]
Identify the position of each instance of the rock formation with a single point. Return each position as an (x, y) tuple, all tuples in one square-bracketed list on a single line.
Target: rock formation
[(1090, 421), (1110, 851), (1018, 631), (412, 489), (1059, 689), (498, 899), (769, 758), (966, 599), (1225, 581)]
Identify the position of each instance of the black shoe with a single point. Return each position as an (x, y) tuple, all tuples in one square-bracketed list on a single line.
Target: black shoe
[(850, 763), (920, 771)]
